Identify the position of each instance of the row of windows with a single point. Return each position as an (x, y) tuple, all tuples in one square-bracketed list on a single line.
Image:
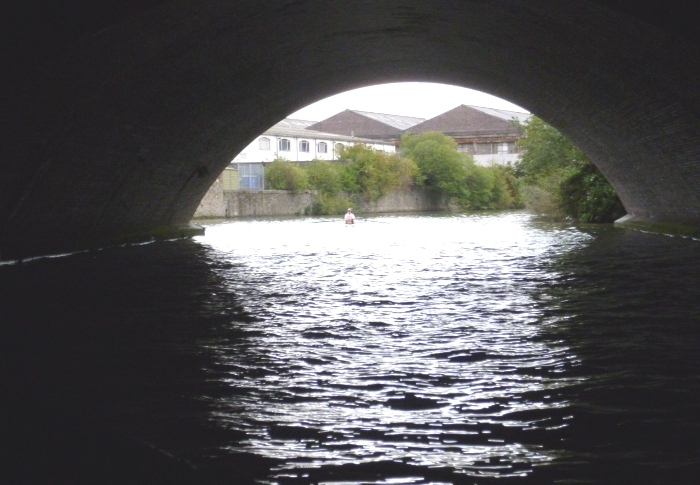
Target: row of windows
[(284, 145), (487, 148)]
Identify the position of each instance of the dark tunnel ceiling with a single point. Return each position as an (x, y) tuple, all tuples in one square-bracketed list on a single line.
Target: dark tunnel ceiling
[(118, 115)]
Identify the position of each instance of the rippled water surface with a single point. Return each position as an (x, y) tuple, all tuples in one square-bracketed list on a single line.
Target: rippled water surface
[(403, 349)]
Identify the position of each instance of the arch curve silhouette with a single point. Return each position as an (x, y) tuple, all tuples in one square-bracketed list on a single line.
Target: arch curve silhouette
[(117, 119)]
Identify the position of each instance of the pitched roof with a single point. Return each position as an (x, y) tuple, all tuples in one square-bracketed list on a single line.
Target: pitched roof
[(365, 124), (472, 121), (286, 129), (397, 121), (503, 114), (293, 123)]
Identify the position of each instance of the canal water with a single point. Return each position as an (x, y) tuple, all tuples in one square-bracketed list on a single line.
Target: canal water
[(418, 349)]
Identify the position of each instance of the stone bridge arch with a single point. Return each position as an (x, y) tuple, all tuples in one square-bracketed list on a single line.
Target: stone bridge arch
[(117, 117)]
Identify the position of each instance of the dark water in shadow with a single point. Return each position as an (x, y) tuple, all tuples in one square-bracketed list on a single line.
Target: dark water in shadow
[(412, 349)]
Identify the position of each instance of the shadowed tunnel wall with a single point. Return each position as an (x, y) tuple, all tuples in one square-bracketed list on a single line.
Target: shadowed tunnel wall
[(118, 115)]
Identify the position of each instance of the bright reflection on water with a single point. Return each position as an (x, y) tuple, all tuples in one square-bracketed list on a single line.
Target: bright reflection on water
[(406, 339), (425, 349)]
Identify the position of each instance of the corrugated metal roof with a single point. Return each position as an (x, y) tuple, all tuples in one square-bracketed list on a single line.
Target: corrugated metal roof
[(292, 123), (502, 113), (399, 122), (281, 130)]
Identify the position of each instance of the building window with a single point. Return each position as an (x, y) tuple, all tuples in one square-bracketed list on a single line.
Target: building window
[(322, 147), (285, 145), (466, 148), (338, 148), (503, 148), (304, 146), (251, 176), (484, 149), (264, 143)]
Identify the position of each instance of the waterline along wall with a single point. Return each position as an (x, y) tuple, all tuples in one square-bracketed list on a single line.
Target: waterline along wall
[(248, 203)]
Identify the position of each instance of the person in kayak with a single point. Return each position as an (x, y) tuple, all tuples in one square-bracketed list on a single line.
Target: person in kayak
[(349, 217)]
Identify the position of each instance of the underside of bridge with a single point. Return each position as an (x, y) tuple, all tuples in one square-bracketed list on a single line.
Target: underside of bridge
[(118, 115)]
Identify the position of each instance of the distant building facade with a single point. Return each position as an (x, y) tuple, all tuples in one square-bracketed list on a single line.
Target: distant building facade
[(292, 140), (289, 139), (488, 134)]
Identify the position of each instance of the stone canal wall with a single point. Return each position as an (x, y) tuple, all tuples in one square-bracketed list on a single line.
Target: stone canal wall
[(213, 204), (248, 203), (415, 199)]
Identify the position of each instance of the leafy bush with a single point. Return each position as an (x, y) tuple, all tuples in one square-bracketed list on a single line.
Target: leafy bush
[(284, 175), (560, 181), (373, 173), (586, 195), (365, 172), (330, 204), (325, 176), (506, 190), (441, 166), (480, 181), (542, 199), (456, 175), (431, 159), (402, 171)]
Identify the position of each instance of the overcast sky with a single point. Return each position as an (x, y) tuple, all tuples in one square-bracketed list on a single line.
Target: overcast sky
[(422, 100)]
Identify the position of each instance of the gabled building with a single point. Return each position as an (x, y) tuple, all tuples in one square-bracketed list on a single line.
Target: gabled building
[(366, 125), (488, 134)]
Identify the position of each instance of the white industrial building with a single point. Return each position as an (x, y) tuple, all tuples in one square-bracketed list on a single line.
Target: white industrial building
[(289, 139)]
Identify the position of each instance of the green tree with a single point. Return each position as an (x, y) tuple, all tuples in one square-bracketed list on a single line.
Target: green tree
[(586, 195), (402, 172), (441, 166), (325, 176), (545, 151), (559, 179), (284, 175), (456, 175), (506, 191), (373, 173), (481, 182)]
